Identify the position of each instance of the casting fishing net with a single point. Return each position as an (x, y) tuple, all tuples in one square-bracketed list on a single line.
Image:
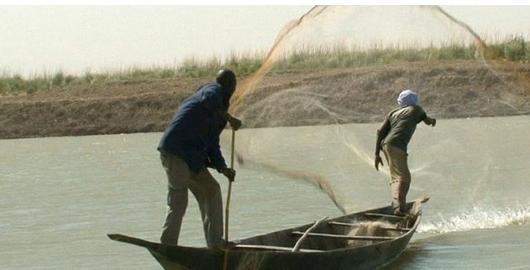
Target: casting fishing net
[(338, 65)]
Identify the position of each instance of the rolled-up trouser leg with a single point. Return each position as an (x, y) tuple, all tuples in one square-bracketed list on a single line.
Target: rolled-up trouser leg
[(207, 191), (178, 175), (399, 196), (399, 176)]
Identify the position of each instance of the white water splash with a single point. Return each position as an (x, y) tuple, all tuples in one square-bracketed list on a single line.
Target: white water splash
[(480, 217)]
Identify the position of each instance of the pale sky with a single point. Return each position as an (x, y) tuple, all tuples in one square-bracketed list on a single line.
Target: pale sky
[(74, 39)]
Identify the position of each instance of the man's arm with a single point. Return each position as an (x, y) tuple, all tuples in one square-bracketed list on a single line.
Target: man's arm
[(217, 160), (213, 102), (381, 135), (234, 122)]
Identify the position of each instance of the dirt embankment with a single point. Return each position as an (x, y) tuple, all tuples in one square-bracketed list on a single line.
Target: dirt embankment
[(447, 90)]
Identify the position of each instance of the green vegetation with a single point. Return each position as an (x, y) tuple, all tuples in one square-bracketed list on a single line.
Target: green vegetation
[(511, 49)]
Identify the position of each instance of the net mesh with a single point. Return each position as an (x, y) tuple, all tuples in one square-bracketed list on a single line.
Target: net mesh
[(337, 65)]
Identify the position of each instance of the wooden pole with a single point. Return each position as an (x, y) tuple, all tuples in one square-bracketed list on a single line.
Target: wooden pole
[(227, 209), (299, 242)]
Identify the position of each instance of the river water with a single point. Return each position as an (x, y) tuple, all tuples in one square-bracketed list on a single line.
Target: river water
[(60, 197)]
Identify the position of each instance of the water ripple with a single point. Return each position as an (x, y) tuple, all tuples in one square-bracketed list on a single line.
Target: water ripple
[(480, 217)]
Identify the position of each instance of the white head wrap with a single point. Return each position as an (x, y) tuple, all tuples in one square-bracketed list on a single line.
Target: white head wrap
[(407, 97)]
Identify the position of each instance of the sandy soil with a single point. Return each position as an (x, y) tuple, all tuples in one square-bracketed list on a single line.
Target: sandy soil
[(447, 90)]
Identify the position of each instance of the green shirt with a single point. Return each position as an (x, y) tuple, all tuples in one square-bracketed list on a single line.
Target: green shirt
[(403, 121)]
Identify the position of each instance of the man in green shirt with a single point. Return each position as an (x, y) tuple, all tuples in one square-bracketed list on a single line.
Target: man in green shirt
[(393, 137)]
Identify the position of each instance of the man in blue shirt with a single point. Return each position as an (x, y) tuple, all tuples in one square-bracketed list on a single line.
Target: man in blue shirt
[(393, 138), (189, 146)]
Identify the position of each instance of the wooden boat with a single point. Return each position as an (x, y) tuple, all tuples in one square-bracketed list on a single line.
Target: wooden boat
[(365, 240)]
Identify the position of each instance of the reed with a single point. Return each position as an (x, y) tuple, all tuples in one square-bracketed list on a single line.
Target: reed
[(512, 48)]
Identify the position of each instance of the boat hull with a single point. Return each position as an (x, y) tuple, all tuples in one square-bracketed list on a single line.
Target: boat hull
[(328, 247)]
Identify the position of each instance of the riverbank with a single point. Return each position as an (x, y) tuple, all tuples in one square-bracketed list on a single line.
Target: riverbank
[(447, 90)]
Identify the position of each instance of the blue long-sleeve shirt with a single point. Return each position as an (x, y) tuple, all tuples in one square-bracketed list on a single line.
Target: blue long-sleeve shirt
[(193, 133)]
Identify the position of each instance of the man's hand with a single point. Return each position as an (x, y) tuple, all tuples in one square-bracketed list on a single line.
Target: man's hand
[(234, 123), (430, 121), (229, 173), (378, 161)]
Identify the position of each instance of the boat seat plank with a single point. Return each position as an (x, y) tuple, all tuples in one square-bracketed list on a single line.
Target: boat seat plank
[(350, 237), (386, 216), (276, 248), (356, 225)]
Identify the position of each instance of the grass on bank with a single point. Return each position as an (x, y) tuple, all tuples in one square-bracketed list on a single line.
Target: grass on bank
[(511, 49)]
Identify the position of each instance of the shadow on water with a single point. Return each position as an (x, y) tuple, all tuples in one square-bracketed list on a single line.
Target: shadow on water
[(413, 253)]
